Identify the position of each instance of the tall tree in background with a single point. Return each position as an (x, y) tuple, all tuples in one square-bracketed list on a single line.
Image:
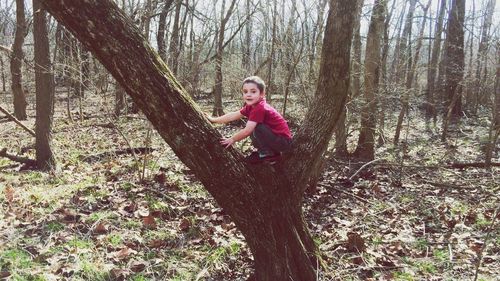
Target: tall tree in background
[(218, 90), (366, 141), (495, 123), (162, 23), (44, 83), (174, 50), (263, 201), (482, 54), (16, 60), (454, 65), (411, 68), (430, 107), (354, 87)]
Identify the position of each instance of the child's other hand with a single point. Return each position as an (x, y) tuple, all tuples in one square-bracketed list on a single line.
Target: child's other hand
[(227, 142)]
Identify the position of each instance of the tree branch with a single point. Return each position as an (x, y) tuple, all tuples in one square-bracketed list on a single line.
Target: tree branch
[(13, 118), (24, 160)]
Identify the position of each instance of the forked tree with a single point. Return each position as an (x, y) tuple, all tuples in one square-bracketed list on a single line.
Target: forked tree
[(264, 201)]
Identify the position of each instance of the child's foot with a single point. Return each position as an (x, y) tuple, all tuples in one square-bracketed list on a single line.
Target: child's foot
[(255, 158)]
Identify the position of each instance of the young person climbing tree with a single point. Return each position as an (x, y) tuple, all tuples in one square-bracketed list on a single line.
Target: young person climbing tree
[(266, 127)]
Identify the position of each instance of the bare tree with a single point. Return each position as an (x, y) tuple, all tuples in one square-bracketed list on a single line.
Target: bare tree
[(482, 65), (366, 141), (430, 107), (44, 89), (218, 90), (410, 70), (160, 37), (495, 124), (16, 60), (266, 203), (454, 66)]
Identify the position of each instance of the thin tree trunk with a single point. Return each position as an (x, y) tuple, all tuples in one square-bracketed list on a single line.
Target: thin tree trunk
[(218, 90), (247, 47), (495, 124), (160, 37), (383, 76), (366, 141), (2, 65), (16, 60), (174, 39), (272, 53), (44, 89), (266, 204), (411, 66), (482, 53)]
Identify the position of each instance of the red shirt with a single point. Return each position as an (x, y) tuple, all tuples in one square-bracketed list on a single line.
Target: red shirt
[(266, 114)]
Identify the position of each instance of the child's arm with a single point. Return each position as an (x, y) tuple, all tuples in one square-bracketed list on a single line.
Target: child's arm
[(243, 133), (226, 118)]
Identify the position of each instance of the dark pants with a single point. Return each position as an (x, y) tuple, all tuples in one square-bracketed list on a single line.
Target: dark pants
[(267, 142)]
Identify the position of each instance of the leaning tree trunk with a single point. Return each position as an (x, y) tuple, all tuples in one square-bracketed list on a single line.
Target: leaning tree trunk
[(263, 201), (44, 81), (16, 60), (366, 142)]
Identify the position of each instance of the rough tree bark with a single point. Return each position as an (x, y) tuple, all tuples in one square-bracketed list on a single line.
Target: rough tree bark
[(16, 60), (354, 88), (454, 67), (365, 149), (44, 83), (263, 201)]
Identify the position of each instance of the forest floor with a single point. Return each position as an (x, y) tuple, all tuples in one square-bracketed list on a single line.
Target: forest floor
[(102, 215)]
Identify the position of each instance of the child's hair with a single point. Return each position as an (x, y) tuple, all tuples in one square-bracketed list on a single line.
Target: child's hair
[(257, 81)]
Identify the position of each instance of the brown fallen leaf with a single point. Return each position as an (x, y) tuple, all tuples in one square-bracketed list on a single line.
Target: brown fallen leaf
[(157, 243), (149, 222), (138, 266), (185, 224), (118, 274), (123, 253), (101, 228), (355, 243)]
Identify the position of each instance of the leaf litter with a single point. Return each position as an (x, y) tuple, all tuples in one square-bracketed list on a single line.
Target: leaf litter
[(408, 218)]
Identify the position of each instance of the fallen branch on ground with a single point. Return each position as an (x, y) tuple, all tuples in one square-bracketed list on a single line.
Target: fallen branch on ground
[(473, 165), (24, 160), (11, 117), (108, 154), (5, 49)]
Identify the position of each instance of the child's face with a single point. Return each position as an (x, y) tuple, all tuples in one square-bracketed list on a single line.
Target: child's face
[(251, 94)]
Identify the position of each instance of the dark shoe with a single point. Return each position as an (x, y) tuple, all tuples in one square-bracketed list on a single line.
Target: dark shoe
[(254, 158)]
